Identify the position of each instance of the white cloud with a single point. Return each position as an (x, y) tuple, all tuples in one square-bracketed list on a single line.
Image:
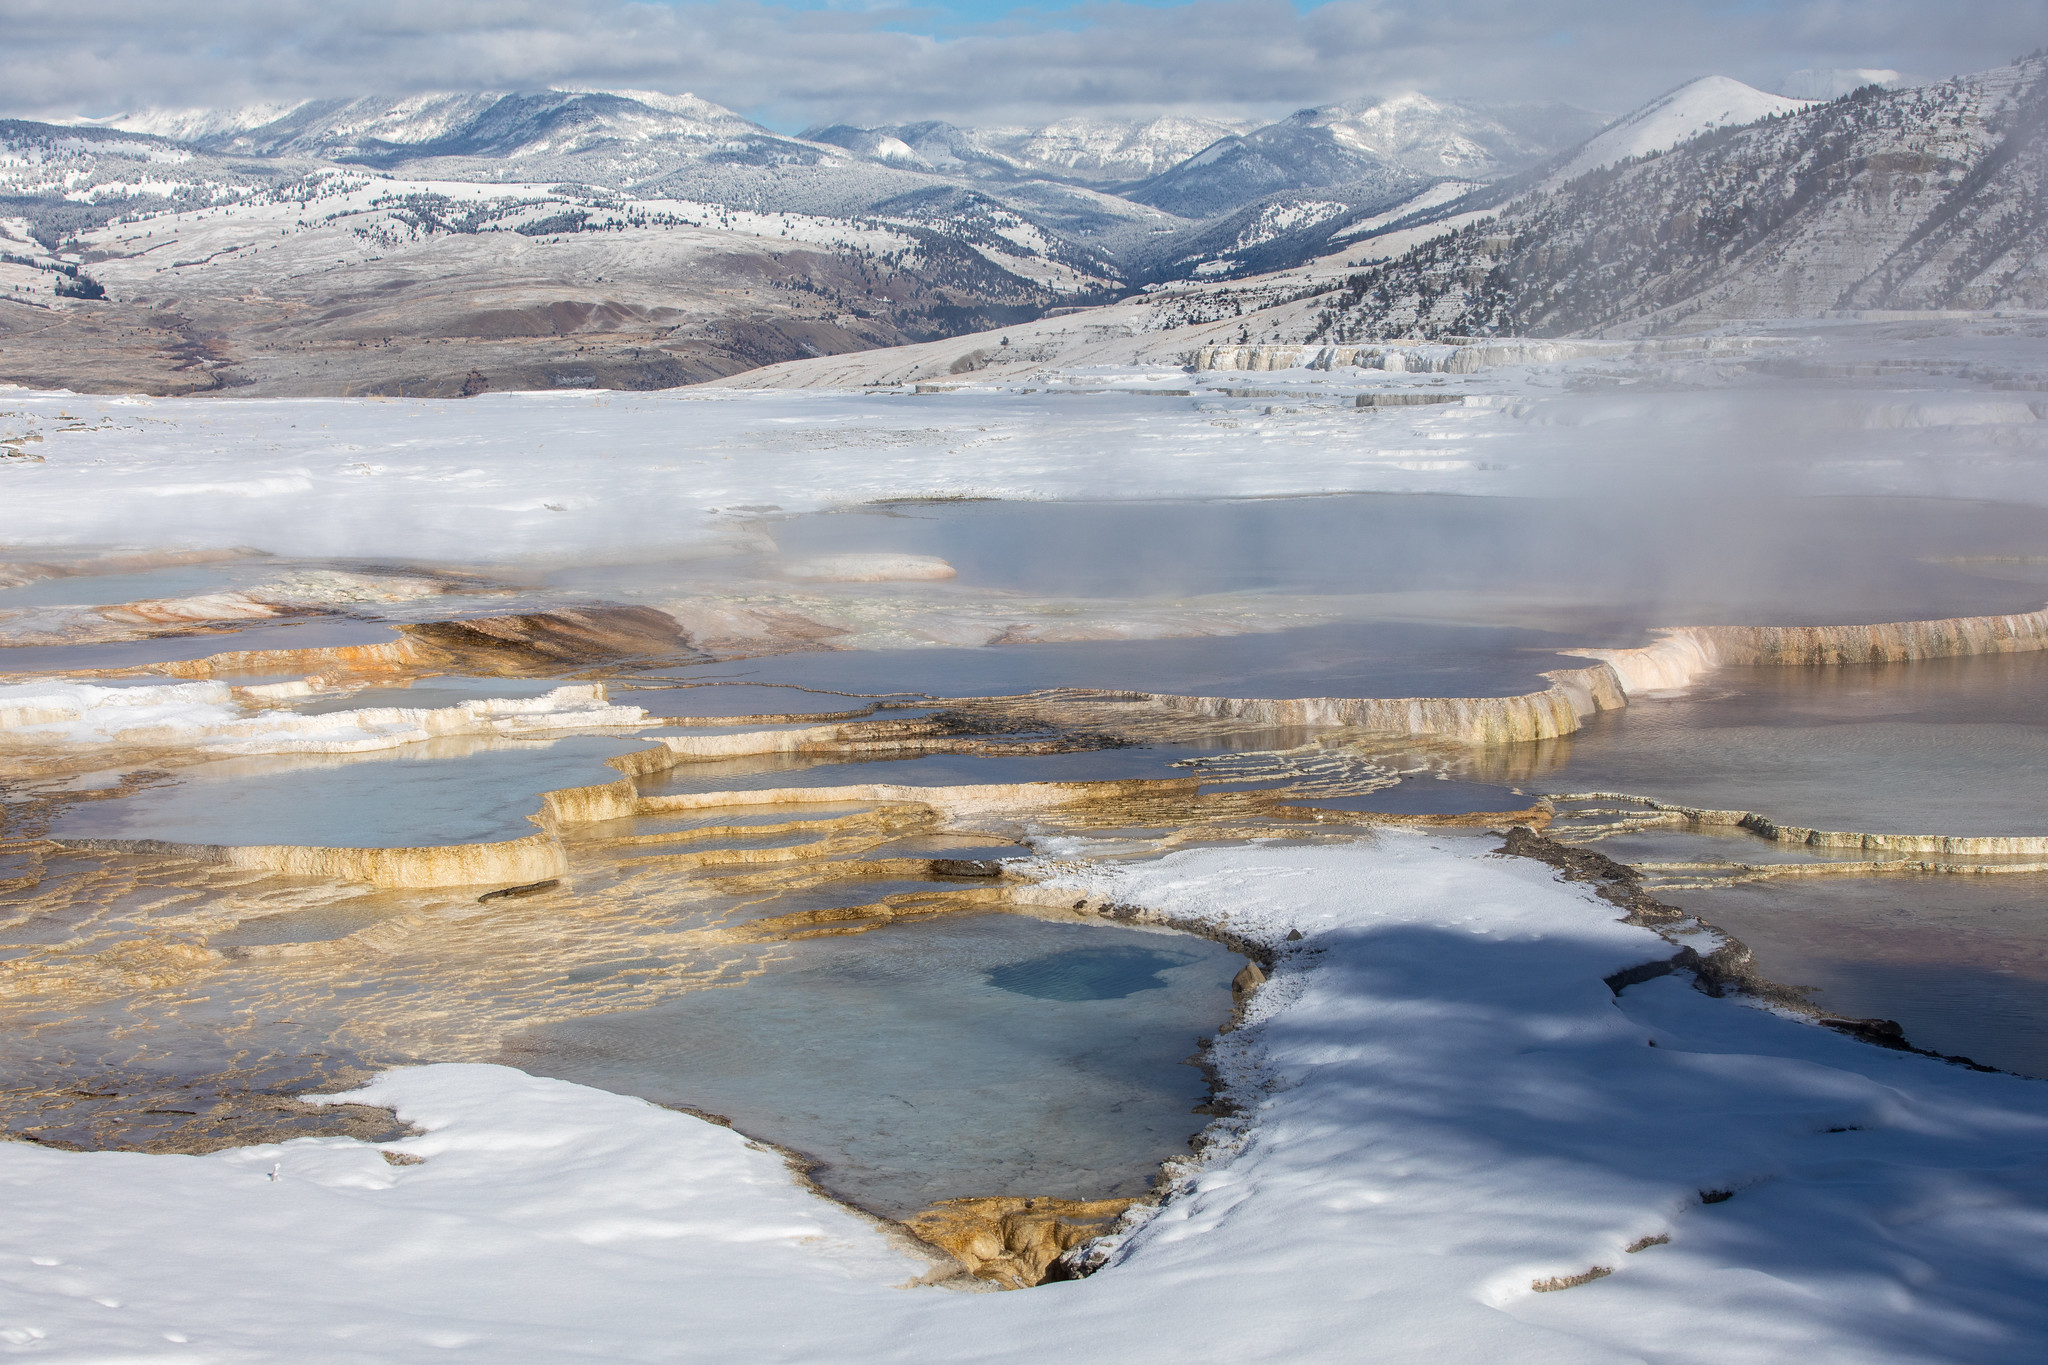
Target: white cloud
[(1808, 84), (793, 66)]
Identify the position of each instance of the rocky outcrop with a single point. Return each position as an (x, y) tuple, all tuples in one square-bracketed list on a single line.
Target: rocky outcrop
[(1013, 1241), (544, 642), (530, 644)]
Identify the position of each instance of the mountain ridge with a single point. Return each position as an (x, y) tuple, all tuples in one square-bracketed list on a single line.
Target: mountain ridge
[(1930, 197)]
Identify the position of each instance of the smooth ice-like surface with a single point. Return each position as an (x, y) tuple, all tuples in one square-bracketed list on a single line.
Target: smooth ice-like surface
[(93, 590), (1960, 961), (442, 791), (1454, 1106), (1825, 561), (962, 1056), (1941, 746)]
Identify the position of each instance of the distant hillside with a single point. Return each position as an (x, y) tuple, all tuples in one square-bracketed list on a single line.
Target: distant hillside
[(1104, 152), (453, 243), (1934, 197), (1696, 107), (1377, 148)]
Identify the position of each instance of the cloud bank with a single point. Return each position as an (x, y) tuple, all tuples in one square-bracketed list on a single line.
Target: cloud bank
[(792, 66)]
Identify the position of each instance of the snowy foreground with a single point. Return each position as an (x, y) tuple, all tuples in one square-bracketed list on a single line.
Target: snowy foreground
[(1455, 1107)]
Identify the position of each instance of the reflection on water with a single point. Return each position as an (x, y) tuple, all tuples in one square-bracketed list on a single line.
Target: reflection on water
[(1427, 796), (1738, 559), (445, 791), (968, 1055), (1086, 973), (1944, 746), (1961, 962), (97, 590), (1349, 660)]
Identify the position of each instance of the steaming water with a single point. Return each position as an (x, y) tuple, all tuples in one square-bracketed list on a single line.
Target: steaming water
[(970, 1055), (1960, 962), (1731, 558)]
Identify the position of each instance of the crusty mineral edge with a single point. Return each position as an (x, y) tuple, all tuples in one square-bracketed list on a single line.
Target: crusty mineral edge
[(535, 858), (1729, 967), (540, 857), (1012, 1241), (1671, 816), (1677, 659), (581, 637), (1683, 653), (1573, 694)]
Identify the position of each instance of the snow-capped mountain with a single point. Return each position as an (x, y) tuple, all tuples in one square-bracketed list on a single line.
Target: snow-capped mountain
[(1930, 197), (1694, 108), (1431, 137), (639, 239), (933, 145), (639, 127), (196, 127), (1089, 150), (1380, 145), (1111, 150)]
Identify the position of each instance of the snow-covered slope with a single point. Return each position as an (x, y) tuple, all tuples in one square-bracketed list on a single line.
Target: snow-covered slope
[(1379, 143), (1931, 197), (1435, 137), (198, 126), (1697, 107), (1089, 150), (1108, 149), (489, 124)]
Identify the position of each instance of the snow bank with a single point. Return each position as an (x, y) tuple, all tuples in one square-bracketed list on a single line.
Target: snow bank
[(208, 716), (1450, 1108), (547, 1222)]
